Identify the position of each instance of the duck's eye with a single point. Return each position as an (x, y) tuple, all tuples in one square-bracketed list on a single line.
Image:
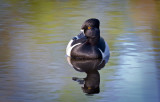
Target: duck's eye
[(89, 27)]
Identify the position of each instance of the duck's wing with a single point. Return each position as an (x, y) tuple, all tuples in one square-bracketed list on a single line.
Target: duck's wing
[(80, 40), (101, 44)]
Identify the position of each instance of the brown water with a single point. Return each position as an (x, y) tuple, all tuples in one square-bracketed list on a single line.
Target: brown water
[(35, 33)]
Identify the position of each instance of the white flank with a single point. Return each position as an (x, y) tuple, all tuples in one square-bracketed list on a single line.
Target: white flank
[(68, 46)]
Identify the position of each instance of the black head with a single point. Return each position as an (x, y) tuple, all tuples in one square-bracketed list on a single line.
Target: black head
[(92, 22), (93, 36)]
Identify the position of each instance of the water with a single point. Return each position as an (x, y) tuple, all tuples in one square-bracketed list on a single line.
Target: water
[(35, 33)]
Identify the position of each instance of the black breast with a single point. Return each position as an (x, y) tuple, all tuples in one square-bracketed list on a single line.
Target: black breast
[(86, 51)]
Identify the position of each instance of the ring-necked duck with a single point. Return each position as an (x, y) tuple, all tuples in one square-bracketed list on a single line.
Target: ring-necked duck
[(88, 44)]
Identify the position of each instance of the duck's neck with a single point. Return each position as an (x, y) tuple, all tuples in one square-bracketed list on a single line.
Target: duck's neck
[(92, 41)]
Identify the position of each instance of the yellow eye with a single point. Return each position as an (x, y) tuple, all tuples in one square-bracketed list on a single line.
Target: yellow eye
[(89, 27), (89, 88)]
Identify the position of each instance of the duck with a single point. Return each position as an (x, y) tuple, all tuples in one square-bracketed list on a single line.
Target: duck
[(88, 44)]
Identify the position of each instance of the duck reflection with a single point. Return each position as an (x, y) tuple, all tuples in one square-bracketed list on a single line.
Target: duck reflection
[(90, 67)]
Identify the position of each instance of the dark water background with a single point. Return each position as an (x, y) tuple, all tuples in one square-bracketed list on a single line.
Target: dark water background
[(35, 33)]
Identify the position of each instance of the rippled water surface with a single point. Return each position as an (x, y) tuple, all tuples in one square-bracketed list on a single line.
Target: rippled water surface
[(35, 33)]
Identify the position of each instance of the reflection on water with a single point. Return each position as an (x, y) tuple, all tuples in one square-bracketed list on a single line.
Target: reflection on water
[(90, 67), (35, 33)]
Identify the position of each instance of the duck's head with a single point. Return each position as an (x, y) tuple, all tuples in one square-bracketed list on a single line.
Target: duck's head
[(93, 35), (92, 22)]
